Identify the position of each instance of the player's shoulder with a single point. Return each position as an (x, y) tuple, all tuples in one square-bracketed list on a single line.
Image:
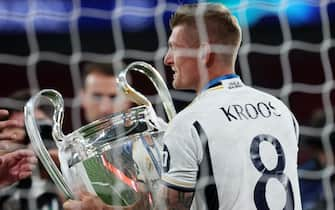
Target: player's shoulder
[(268, 96), (185, 114), (186, 117)]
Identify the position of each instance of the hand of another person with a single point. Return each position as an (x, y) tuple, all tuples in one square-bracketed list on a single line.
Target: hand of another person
[(86, 201), (16, 165), (8, 124)]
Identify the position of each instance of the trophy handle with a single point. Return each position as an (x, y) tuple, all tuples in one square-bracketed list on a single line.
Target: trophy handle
[(33, 132), (155, 78)]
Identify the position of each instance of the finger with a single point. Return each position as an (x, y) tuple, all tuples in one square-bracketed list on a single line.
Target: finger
[(23, 166), (8, 136), (18, 134), (10, 123), (83, 194), (15, 138), (24, 153), (32, 160), (72, 205), (20, 157), (3, 113), (10, 146), (20, 167), (27, 167), (24, 174)]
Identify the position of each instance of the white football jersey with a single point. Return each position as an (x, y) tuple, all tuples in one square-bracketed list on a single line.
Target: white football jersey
[(145, 152), (236, 147)]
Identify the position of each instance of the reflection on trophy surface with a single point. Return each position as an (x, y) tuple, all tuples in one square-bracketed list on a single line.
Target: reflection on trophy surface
[(116, 157)]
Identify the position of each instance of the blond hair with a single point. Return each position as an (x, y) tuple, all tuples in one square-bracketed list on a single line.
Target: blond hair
[(221, 26)]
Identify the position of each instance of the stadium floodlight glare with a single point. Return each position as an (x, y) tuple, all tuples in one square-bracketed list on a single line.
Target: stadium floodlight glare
[(298, 12)]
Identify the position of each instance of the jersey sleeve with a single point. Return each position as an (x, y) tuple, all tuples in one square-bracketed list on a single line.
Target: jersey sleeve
[(182, 154), (296, 126)]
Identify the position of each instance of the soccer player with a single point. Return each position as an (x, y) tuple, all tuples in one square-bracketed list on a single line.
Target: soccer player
[(234, 147)]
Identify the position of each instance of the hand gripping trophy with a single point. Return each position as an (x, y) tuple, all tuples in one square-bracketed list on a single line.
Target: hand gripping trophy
[(116, 157)]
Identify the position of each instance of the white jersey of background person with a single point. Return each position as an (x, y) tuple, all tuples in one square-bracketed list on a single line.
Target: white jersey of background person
[(252, 150)]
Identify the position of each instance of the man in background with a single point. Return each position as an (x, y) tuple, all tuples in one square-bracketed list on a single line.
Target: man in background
[(100, 95)]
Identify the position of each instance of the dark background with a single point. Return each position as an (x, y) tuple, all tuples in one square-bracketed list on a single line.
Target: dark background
[(44, 44), (94, 40)]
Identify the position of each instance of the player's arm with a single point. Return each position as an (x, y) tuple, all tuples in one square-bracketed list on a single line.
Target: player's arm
[(181, 158), (296, 126)]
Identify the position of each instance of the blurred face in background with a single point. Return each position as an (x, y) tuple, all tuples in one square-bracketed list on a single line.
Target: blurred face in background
[(100, 96)]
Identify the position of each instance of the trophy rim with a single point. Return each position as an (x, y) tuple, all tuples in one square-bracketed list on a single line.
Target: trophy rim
[(99, 149), (109, 145), (112, 116), (133, 114), (102, 134)]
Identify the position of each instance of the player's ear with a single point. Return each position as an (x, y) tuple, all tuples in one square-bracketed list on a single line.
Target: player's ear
[(206, 55)]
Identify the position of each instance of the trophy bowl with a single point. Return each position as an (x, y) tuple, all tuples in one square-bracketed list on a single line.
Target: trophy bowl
[(109, 157)]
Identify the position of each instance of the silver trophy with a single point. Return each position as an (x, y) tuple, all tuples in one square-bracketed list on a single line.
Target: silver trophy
[(117, 157)]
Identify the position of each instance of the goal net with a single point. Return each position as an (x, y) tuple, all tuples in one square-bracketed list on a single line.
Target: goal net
[(288, 50)]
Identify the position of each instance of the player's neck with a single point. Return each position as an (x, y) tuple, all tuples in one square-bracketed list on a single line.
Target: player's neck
[(215, 66), (215, 82)]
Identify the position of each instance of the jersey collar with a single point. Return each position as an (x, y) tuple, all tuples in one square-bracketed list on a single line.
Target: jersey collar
[(218, 81)]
